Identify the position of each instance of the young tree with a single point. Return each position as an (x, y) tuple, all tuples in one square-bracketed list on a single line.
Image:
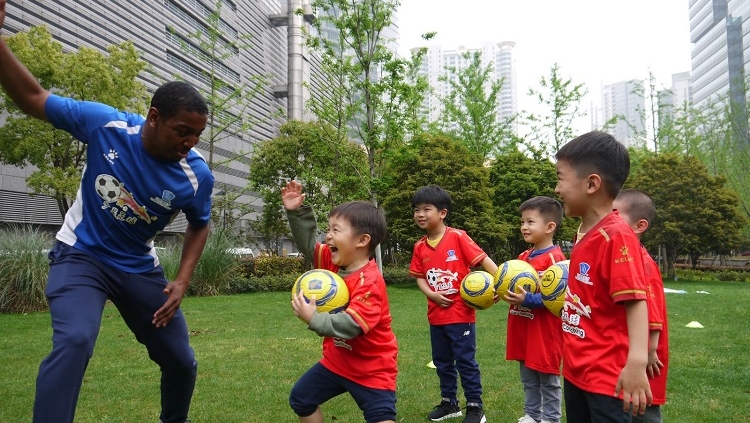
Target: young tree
[(562, 100), (229, 97), (84, 75), (695, 212), (470, 109), (372, 95)]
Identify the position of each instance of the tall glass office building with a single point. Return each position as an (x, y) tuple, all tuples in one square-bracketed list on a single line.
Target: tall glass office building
[(720, 33)]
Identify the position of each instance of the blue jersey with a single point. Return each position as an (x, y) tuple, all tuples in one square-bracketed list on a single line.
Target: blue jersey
[(126, 196)]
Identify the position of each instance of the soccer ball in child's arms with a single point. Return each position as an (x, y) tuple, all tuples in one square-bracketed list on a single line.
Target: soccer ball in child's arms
[(329, 289), (554, 287), (477, 290), (513, 275)]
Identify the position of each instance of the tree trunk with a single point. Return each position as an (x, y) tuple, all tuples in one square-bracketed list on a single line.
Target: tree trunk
[(694, 260), (670, 256)]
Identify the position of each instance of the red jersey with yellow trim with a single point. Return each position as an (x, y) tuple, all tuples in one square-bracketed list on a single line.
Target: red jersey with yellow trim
[(657, 320), (606, 269), (444, 267), (368, 359), (534, 334)]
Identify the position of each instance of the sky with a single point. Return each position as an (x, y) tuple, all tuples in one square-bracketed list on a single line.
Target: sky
[(595, 42)]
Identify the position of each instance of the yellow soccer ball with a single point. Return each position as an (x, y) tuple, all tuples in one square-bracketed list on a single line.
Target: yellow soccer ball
[(554, 287), (513, 275), (329, 289), (477, 290)]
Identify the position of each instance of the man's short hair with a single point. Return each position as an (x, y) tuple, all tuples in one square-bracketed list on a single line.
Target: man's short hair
[(434, 195), (600, 153), (178, 96), (364, 218), (549, 208), (637, 204)]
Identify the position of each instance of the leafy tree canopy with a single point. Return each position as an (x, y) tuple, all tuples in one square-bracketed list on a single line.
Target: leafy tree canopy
[(695, 212)]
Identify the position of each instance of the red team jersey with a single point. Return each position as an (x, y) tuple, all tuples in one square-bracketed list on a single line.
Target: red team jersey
[(444, 267), (534, 334), (606, 269), (657, 320), (368, 359)]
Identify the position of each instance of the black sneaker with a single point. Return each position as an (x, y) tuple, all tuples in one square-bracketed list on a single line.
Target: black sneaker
[(474, 414), (444, 410)]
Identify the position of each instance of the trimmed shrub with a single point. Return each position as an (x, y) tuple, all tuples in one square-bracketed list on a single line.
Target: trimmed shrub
[(275, 265), (397, 276)]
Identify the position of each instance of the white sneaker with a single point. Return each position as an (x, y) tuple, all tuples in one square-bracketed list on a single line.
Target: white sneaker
[(526, 419)]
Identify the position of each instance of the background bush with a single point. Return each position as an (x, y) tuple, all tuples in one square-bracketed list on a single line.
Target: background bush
[(23, 269), (217, 270)]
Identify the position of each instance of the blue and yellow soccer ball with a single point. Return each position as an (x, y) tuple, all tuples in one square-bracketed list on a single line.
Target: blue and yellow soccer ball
[(477, 290), (329, 289), (554, 287), (513, 275)]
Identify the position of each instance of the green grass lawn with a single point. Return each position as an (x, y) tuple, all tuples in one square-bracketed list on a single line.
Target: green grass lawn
[(251, 349)]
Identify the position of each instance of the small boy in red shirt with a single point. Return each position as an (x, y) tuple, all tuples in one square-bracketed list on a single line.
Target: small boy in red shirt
[(441, 260), (359, 347), (534, 337), (637, 209), (605, 318)]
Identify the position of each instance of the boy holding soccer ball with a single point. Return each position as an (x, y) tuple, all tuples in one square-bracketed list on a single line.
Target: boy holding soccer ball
[(359, 347), (605, 319), (534, 337), (440, 262), (637, 209)]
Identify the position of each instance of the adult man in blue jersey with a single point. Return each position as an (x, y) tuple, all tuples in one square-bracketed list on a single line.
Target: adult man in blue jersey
[(140, 173)]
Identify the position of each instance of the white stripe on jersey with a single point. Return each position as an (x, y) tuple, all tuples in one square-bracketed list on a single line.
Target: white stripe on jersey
[(190, 174), (123, 125), (73, 217)]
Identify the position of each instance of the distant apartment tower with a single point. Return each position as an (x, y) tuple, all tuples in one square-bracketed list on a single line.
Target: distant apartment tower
[(672, 102), (438, 63), (719, 61), (624, 101)]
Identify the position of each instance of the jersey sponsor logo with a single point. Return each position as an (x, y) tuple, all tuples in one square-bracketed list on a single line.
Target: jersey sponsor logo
[(625, 257), (442, 280), (341, 343), (522, 311), (575, 330), (451, 256), (111, 156), (572, 312), (365, 299), (583, 273), (120, 201), (166, 199)]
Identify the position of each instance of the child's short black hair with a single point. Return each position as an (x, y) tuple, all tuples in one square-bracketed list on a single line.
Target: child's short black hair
[(432, 194), (365, 218), (637, 204), (598, 152), (549, 208)]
